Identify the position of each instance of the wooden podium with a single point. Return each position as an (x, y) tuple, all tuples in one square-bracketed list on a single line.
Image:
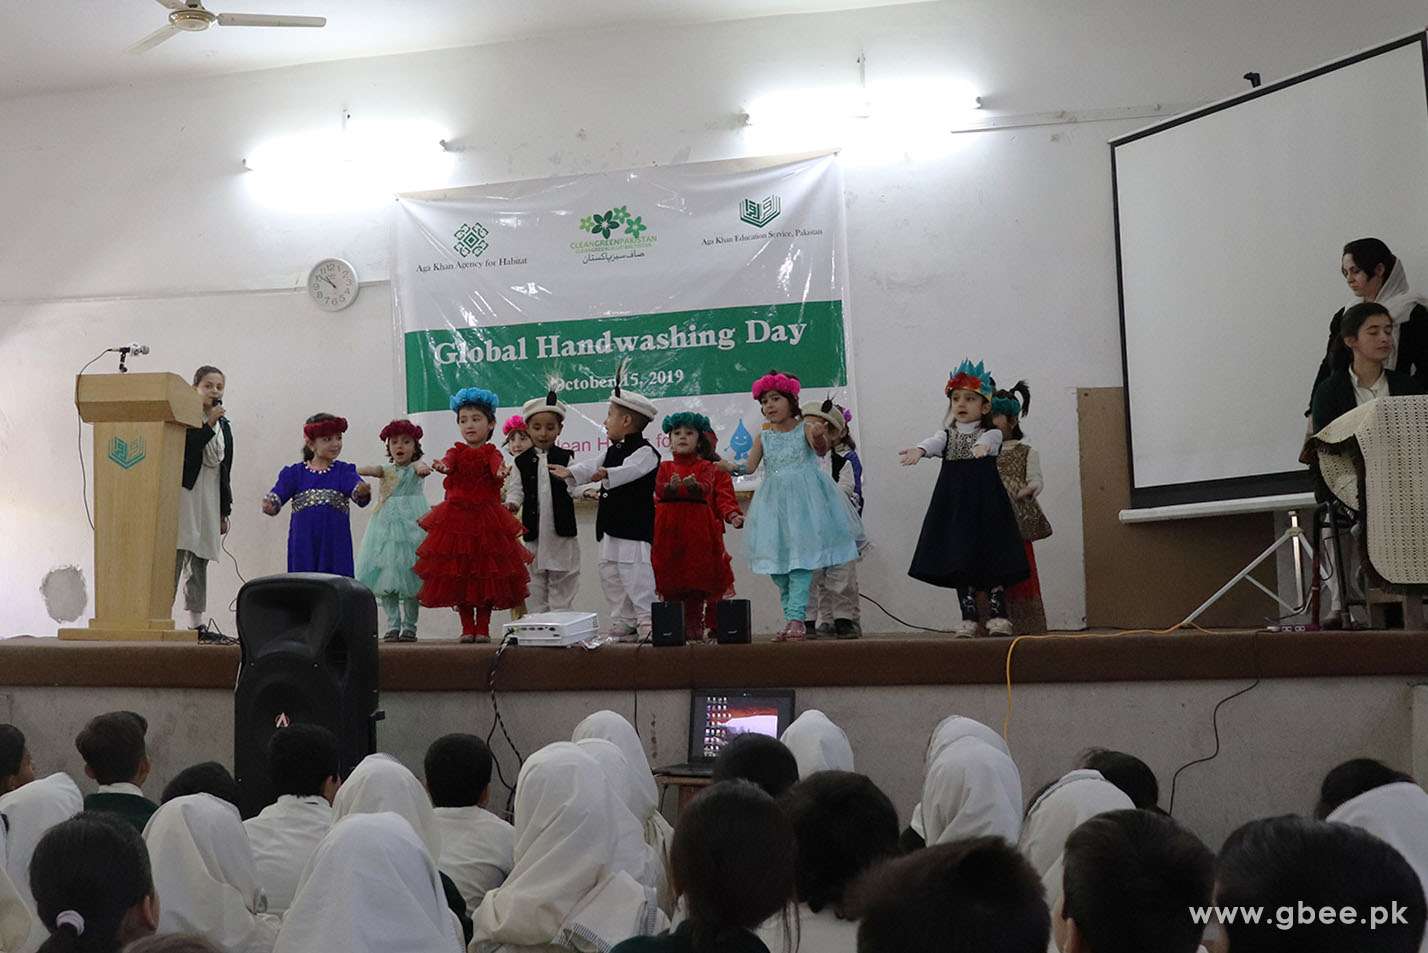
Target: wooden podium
[(139, 424)]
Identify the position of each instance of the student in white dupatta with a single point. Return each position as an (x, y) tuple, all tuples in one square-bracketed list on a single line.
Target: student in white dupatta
[(382, 783), (817, 744), (632, 853), (205, 876), (477, 847), (1075, 798), (29, 811), (17, 922), (645, 792), (1397, 814), (566, 891), (971, 790), (303, 766), (371, 888), (948, 730)]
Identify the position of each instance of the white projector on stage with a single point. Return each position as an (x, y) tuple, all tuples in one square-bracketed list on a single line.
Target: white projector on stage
[(552, 628)]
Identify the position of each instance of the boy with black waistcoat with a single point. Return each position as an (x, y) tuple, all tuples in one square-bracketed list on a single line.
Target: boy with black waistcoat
[(546, 508), (624, 523)]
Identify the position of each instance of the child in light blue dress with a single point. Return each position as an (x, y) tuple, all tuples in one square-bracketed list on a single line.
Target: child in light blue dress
[(799, 520), (384, 563)]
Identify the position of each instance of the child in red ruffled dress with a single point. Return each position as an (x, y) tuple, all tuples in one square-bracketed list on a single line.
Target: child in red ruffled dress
[(472, 558), (694, 498)]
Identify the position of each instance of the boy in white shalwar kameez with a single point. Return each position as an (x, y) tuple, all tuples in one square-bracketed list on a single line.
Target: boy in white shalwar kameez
[(546, 508), (303, 765), (624, 523)]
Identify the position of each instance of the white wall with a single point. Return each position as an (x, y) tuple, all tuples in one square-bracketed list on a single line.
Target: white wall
[(127, 217)]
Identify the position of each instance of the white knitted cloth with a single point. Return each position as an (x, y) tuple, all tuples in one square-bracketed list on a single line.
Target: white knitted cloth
[(1384, 444)]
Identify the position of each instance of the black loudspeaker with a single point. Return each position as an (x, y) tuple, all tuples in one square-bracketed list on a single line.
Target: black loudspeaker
[(309, 655), (667, 623), (736, 622)]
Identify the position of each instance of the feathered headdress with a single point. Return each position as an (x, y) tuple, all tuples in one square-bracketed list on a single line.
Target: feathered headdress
[(549, 404), (400, 428), (972, 377), (1009, 404), (325, 428), (628, 399), (686, 418), (475, 397)]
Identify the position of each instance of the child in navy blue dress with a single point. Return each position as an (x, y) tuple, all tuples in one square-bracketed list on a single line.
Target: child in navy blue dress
[(320, 488)]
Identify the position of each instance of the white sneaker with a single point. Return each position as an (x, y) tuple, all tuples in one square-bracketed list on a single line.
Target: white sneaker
[(620, 632), (999, 627), (964, 629)]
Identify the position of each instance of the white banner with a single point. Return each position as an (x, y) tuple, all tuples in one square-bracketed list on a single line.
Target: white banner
[(704, 278)]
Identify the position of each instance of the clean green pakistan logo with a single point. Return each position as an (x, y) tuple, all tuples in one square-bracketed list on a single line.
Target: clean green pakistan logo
[(126, 454), (759, 214), (609, 223), (471, 240)]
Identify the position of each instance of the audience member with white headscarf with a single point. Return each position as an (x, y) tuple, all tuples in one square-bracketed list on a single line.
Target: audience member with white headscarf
[(567, 891), (632, 853), (382, 783), (371, 887), (17, 921), (1397, 814), (817, 744), (1061, 808), (971, 790), (948, 730), (29, 811), (645, 795), (205, 877)]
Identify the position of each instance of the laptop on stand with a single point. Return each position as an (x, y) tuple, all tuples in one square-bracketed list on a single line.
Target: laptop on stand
[(717, 716)]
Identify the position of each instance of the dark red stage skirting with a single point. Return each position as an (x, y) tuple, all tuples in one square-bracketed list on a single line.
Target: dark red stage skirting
[(446, 666)]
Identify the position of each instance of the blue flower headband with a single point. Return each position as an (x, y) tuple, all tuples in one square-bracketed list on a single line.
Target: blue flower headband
[(475, 397), (686, 418)]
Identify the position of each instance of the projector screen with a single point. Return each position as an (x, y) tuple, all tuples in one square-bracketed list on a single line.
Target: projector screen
[(1230, 222)]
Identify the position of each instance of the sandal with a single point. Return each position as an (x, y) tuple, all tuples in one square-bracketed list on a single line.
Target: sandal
[(408, 635), (792, 631), (392, 636)]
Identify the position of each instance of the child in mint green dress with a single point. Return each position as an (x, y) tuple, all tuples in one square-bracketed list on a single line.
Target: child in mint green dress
[(388, 553)]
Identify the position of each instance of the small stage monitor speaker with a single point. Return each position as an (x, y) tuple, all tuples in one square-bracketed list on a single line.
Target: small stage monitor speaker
[(735, 620), (667, 624), (309, 654)]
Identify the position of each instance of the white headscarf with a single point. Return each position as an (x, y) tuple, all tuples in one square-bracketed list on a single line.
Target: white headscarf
[(205, 877), (632, 854), (33, 809), (1075, 798), (17, 923), (948, 730), (818, 744), (972, 789), (371, 887), (1398, 815), (566, 883), (1400, 300), (643, 798), (616, 730), (382, 783)]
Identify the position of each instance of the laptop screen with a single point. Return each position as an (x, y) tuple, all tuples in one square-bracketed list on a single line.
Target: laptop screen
[(715, 717)]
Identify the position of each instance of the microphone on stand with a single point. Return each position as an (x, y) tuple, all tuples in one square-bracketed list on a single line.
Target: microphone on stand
[(126, 350)]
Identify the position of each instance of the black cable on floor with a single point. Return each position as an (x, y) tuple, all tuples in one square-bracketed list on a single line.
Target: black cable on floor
[(1215, 722), (921, 628)]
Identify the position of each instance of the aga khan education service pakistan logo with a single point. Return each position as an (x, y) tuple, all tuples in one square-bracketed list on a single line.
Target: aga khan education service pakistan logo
[(759, 214), (471, 240)]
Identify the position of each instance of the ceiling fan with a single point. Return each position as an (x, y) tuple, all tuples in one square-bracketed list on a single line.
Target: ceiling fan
[(189, 16)]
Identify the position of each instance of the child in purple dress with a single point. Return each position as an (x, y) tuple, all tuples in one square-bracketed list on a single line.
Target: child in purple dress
[(320, 533)]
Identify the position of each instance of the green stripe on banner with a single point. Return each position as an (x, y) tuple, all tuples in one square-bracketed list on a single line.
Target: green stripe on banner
[(672, 354)]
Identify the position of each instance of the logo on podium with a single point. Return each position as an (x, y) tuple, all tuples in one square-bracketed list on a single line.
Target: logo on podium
[(127, 455)]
